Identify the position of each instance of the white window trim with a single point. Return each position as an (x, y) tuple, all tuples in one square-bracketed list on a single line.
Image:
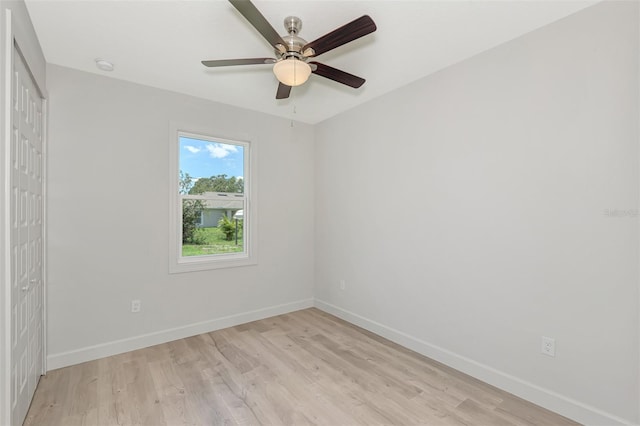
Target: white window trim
[(178, 263)]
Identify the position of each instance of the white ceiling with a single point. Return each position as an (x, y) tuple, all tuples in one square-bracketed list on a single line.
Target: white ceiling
[(161, 43)]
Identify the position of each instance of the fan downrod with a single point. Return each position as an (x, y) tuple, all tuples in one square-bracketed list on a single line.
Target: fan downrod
[(294, 45)]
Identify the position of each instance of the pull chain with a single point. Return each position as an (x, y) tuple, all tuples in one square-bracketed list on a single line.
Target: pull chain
[(294, 105)]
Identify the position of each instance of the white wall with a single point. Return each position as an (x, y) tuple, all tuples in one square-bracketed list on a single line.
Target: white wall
[(20, 29), (108, 216), (466, 214)]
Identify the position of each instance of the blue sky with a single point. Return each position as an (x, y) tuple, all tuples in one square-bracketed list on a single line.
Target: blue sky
[(201, 158)]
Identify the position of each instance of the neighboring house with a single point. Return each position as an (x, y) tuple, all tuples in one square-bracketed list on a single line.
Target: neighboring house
[(218, 204)]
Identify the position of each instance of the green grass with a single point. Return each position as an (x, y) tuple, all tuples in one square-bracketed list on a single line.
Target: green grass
[(213, 243)]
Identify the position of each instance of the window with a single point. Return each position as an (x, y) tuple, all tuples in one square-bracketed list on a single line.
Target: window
[(213, 216)]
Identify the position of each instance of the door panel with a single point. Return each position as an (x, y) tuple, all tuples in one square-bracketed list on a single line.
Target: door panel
[(26, 240)]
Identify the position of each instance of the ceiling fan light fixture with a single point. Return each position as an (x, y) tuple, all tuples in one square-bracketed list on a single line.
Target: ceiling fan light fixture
[(292, 71)]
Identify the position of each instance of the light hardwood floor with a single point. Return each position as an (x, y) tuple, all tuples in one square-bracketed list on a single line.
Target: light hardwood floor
[(306, 367)]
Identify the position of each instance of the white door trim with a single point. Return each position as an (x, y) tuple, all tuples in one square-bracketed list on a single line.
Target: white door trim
[(5, 279), (45, 139)]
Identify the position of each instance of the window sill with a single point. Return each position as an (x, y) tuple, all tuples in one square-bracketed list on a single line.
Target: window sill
[(204, 263)]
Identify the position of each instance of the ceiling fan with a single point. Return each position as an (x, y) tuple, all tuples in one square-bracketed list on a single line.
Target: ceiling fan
[(292, 65)]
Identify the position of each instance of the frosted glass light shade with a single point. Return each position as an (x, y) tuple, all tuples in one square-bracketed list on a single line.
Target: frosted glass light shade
[(292, 72)]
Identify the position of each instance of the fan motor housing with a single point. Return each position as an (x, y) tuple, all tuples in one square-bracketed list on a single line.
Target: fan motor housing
[(294, 43)]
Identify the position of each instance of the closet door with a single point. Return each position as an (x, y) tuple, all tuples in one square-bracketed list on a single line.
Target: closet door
[(26, 239)]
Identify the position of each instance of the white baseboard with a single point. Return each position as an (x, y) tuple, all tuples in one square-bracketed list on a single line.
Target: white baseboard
[(546, 398), (102, 350)]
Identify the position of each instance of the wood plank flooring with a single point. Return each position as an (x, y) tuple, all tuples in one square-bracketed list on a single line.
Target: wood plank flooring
[(306, 367)]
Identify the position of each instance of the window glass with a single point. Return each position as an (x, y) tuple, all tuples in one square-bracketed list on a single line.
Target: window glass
[(211, 188)]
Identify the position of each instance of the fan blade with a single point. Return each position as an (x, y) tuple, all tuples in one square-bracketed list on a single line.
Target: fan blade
[(230, 62), (283, 91), (353, 30), (255, 18), (337, 75)]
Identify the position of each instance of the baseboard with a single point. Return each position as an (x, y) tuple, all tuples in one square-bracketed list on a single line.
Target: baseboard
[(102, 350), (546, 398)]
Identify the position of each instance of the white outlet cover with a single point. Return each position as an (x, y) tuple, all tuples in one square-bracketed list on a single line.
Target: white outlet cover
[(548, 346)]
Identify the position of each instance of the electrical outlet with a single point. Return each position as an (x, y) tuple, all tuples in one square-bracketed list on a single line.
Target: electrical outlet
[(343, 285), (548, 346), (136, 305)]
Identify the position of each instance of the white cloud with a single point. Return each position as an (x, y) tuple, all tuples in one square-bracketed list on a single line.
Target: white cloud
[(220, 150), (192, 149)]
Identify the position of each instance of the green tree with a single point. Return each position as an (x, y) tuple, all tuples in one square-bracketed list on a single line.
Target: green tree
[(191, 210), (219, 183), (185, 184), (229, 227)]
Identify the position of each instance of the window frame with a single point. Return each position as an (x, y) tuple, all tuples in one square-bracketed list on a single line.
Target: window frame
[(179, 263)]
